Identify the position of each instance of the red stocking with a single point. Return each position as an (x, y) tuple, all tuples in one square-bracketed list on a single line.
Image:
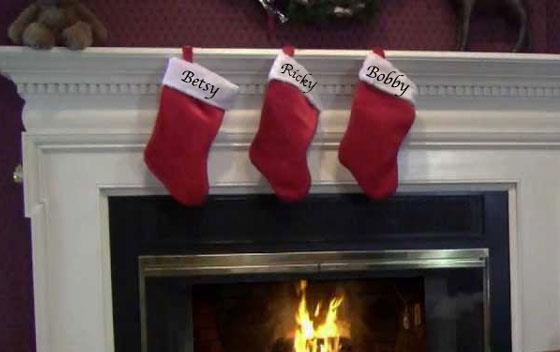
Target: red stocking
[(382, 113), (288, 124), (193, 101)]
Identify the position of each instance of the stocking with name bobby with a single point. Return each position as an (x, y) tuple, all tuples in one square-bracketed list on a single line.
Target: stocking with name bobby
[(382, 113), (192, 105), (287, 126)]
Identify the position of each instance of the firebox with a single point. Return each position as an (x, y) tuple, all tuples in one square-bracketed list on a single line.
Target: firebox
[(335, 273)]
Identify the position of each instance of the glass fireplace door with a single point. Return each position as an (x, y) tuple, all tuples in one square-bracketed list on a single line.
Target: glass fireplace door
[(371, 301)]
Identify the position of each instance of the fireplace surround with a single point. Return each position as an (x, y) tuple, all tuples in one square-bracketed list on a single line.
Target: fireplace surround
[(451, 247), (485, 123)]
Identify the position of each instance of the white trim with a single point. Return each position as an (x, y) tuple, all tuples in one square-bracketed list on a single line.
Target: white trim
[(383, 75), (105, 259), (515, 265), (200, 83), (484, 121), (286, 69)]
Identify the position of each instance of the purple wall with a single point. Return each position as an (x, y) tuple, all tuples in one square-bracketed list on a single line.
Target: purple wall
[(401, 24), (16, 299), (16, 286)]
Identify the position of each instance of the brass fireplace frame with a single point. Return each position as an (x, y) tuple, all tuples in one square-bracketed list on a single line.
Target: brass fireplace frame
[(311, 263)]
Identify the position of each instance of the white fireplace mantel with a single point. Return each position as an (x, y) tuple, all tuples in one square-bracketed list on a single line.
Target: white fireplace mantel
[(484, 121)]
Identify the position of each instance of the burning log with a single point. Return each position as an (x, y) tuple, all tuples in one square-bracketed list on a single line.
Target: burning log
[(287, 345), (283, 345)]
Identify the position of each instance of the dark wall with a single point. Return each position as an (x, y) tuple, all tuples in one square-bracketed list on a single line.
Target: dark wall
[(16, 287), (401, 24), (16, 284)]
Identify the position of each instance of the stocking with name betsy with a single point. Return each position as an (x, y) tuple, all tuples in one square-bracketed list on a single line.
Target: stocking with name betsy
[(192, 105)]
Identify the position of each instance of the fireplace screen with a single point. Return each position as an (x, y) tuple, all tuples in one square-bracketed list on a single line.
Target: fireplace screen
[(389, 301)]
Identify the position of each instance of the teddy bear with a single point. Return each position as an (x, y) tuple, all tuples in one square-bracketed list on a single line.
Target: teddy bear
[(46, 23)]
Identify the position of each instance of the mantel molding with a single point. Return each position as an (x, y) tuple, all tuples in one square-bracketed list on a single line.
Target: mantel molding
[(108, 94), (137, 71)]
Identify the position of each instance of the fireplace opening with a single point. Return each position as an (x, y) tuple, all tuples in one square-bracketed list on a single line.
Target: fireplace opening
[(334, 273), (391, 301), (307, 316)]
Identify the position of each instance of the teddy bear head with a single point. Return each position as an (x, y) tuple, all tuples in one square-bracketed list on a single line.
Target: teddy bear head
[(56, 2), (48, 2)]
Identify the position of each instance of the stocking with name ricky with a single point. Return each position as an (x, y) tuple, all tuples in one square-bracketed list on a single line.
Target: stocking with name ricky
[(192, 105), (287, 126)]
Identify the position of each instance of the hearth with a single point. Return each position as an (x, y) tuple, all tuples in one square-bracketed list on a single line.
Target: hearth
[(336, 273)]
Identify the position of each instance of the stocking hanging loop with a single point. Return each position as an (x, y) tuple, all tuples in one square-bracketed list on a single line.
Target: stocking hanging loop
[(188, 53), (378, 51), (288, 50)]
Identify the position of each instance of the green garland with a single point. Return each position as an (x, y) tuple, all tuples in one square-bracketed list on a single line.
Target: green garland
[(321, 11)]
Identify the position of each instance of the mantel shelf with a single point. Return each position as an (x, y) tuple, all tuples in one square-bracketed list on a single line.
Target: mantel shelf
[(111, 94)]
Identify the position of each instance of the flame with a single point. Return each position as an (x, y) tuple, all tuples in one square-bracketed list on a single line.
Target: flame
[(325, 337)]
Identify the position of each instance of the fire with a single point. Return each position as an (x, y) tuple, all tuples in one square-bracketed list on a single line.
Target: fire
[(313, 336)]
